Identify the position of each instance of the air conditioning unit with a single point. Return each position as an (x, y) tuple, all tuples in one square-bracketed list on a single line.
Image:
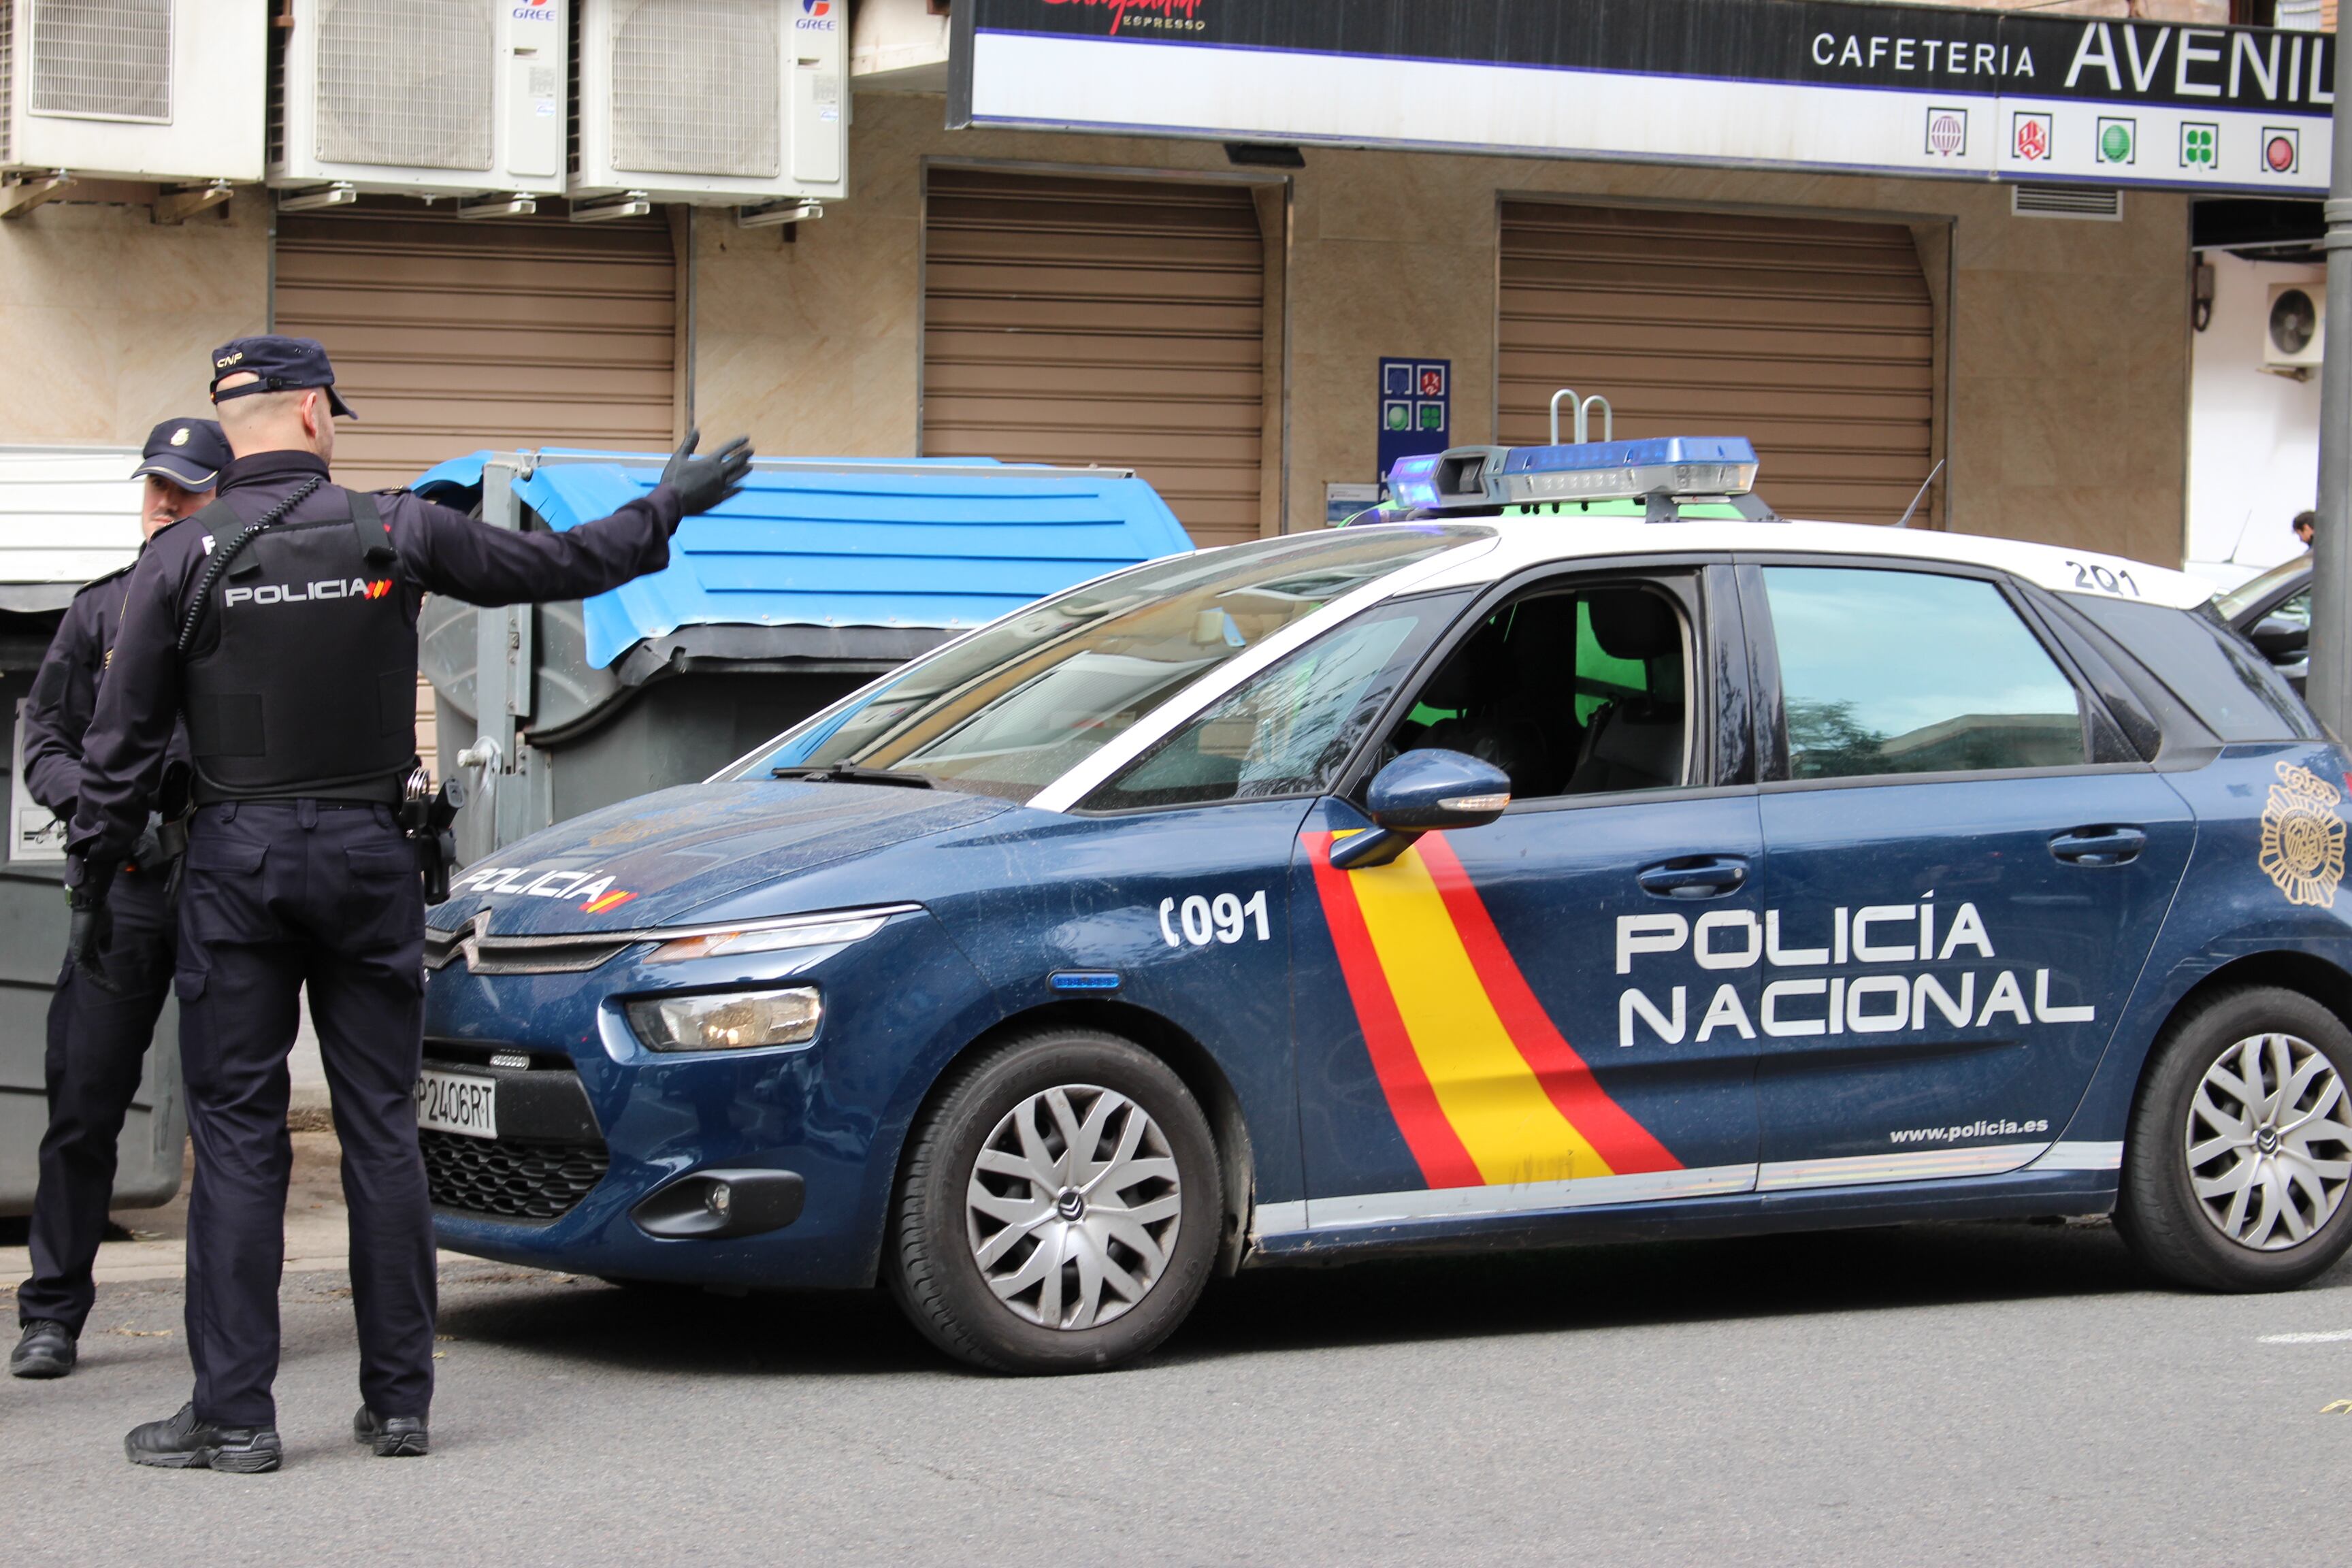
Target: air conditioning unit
[(420, 97), (134, 89), (718, 102), (2296, 329)]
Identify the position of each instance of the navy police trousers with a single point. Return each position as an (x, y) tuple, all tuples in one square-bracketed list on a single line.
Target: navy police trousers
[(280, 894), (97, 1046)]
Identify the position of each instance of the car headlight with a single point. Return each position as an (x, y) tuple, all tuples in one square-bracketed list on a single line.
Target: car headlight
[(770, 936), (730, 1021)]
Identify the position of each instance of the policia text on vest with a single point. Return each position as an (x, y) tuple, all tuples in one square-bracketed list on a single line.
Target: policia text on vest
[(300, 707)]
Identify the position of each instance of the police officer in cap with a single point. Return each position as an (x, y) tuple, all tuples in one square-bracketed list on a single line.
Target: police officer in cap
[(99, 1025), (282, 618)]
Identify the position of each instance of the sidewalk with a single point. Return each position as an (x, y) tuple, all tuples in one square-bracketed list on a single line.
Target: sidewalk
[(306, 1109), (316, 1235)]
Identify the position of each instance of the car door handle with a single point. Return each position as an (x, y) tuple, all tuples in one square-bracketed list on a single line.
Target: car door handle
[(2099, 846), (1694, 876)]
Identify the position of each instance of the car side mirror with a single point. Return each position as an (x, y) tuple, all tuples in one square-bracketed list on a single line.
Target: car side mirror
[(1419, 793), (2280, 637)]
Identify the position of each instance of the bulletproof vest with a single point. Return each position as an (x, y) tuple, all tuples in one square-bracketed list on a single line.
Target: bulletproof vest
[(302, 676)]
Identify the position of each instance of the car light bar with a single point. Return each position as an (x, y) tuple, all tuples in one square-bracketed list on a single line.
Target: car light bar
[(1676, 466)]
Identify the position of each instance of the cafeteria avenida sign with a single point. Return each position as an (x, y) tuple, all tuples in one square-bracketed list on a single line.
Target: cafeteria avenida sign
[(1909, 90)]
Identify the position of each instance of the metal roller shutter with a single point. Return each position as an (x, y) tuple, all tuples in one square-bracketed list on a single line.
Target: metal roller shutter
[(1815, 338), (1112, 321), (451, 336)]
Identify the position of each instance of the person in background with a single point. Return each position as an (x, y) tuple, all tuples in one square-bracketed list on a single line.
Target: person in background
[(98, 1031), (2304, 523)]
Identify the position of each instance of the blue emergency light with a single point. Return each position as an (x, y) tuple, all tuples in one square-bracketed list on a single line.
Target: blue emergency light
[(1674, 467)]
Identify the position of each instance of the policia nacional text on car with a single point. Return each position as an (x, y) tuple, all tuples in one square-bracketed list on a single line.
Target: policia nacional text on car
[(282, 619), (99, 1034)]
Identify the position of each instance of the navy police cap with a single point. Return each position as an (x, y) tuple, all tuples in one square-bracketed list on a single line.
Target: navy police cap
[(283, 364), (191, 453)]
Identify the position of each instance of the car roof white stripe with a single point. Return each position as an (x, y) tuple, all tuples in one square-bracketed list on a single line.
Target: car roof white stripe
[(1528, 541)]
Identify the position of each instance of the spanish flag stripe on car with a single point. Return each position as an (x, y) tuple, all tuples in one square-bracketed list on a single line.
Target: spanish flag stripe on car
[(1443, 1161), (1452, 1027), (1623, 1143)]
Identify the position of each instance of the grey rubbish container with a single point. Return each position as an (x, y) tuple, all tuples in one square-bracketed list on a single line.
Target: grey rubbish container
[(821, 575), (67, 515)]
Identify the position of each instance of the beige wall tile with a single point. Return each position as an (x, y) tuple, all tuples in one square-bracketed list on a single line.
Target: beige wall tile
[(107, 318)]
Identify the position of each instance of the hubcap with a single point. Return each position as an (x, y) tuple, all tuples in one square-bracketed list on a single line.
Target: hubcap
[(2270, 1141), (1073, 1206)]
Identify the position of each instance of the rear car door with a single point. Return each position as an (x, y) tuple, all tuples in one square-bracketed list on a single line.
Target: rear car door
[(1967, 865), (1554, 1010)]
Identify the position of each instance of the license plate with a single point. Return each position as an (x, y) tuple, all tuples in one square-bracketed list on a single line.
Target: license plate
[(451, 1102)]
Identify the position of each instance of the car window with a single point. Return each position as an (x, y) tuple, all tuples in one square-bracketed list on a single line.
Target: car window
[(1909, 672), (2252, 591), (1016, 705), (1291, 730), (2215, 673), (1577, 691), (2294, 609)]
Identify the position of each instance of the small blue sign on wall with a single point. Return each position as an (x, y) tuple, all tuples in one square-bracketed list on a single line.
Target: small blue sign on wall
[(1416, 408)]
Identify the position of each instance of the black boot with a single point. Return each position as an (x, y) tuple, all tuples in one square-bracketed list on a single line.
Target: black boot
[(184, 1443), (392, 1437), (46, 1350)]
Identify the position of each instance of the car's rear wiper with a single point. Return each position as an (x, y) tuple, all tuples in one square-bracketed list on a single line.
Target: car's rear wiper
[(850, 773)]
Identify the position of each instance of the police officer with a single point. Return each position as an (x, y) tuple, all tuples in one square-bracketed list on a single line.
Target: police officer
[(98, 1025), (282, 618)]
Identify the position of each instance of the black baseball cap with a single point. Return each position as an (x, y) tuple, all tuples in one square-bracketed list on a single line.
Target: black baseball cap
[(191, 453), (284, 364)]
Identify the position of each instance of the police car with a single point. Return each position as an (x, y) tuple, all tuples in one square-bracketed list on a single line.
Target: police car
[(1573, 851)]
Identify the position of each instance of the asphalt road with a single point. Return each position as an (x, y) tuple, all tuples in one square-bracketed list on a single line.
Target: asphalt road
[(2001, 1394)]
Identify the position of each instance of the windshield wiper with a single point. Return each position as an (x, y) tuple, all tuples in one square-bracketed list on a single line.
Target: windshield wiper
[(850, 773)]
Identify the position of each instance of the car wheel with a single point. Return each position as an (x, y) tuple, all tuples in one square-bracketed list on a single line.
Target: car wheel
[(1058, 1207), (2240, 1149)]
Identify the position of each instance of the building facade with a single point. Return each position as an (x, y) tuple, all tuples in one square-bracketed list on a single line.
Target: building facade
[(1215, 317)]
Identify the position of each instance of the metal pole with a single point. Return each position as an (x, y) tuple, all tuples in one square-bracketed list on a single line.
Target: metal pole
[(2330, 681)]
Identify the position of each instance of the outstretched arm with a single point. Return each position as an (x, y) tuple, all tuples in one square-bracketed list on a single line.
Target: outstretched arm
[(446, 552)]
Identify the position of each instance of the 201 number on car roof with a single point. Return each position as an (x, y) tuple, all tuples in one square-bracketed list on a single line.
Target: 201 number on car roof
[(2098, 579)]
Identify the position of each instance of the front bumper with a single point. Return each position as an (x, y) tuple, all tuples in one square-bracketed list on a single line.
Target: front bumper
[(833, 1113)]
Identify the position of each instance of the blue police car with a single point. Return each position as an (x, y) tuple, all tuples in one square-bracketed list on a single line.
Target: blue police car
[(1575, 850)]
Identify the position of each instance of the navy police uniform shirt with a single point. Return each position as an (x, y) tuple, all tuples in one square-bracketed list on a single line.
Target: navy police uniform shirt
[(440, 550), (65, 694)]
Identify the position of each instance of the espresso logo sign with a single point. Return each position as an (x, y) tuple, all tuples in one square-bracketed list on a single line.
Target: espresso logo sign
[(1147, 16)]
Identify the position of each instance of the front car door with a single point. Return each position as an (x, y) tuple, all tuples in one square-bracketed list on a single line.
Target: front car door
[(1500, 1022), (1967, 863)]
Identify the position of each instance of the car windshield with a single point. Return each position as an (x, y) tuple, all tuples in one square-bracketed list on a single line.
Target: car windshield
[(2234, 602), (1011, 707)]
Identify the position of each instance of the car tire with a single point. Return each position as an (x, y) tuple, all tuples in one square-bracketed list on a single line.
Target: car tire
[(2230, 1193), (1001, 1273)]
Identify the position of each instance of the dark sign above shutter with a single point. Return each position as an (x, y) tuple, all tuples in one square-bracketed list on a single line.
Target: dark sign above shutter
[(1914, 90)]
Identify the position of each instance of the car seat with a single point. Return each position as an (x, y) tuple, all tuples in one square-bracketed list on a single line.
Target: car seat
[(1635, 742), (1477, 683)]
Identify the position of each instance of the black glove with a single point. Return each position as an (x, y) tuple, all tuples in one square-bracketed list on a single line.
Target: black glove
[(89, 934), (702, 483)]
